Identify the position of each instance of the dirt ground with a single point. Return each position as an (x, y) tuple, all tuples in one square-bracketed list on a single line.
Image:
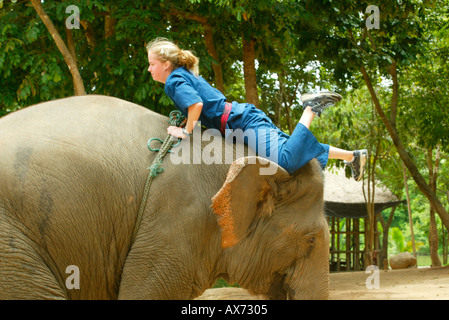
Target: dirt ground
[(406, 284)]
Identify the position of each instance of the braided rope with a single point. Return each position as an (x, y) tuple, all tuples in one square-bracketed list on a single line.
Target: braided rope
[(176, 118)]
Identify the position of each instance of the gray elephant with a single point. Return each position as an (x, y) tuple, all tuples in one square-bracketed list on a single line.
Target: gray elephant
[(72, 175)]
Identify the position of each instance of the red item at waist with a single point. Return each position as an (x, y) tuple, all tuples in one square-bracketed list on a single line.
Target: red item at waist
[(225, 116)]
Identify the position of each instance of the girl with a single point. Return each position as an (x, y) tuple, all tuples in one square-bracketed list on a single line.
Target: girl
[(199, 101)]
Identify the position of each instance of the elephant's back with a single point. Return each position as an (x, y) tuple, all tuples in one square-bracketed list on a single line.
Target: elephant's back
[(89, 128), (80, 116)]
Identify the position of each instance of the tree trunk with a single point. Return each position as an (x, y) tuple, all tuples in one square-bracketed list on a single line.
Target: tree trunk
[(445, 238), (433, 240), (277, 101), (385, 230), (249, 71), (71, 45), (109, 26), (409, 209), (288, 102), (216, 65), (90, 34), (285, 100), (369, 220), (411, 166), (433, 230), (69, 60), (210, 44)]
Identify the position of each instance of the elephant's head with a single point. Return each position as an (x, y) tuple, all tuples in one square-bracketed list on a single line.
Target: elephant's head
[(273, 230)]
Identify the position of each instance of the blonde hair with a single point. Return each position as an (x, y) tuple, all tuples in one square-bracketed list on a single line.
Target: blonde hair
[(166, 50)]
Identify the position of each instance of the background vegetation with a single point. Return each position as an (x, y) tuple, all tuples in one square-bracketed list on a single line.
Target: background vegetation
[(394, 78)]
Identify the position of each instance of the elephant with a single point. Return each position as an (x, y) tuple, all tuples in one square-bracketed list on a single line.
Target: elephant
[(72, 175)]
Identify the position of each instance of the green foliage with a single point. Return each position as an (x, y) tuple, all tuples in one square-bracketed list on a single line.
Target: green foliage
[(400, 244), (221, 283), (114, 63), (34, 70), (425, 86), (398, 239)]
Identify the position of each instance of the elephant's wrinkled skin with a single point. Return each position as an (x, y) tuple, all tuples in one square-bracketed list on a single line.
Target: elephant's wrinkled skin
[(72, 175)]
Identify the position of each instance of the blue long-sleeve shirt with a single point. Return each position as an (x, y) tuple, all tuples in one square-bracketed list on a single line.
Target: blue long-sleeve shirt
[(186, 89)]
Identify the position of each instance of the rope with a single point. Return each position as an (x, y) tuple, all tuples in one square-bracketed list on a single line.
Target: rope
[(176, 118)]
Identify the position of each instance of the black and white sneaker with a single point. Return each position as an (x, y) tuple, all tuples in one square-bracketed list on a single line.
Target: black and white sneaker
[(320, 101), (358, 163)]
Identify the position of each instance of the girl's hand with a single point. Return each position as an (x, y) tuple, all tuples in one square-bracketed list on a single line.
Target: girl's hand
[(176, 132)]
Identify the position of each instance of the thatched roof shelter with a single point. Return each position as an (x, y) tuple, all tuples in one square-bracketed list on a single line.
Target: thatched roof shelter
[(344, 197)]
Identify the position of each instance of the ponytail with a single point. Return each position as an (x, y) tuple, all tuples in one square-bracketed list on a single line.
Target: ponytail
[(166, 50), (187, 59)]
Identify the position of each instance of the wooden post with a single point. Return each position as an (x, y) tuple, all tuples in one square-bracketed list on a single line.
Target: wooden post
[(332, 240), (356, 244), (348, 244), (338, 244)]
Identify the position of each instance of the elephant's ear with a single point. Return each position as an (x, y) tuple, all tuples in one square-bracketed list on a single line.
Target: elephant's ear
[(245, 194)]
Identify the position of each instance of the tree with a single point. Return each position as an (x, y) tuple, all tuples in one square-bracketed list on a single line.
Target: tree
[(69, 57), (354, 124), (426, 89), (108, 53), (108, 50), (382, 54), (206, 19)]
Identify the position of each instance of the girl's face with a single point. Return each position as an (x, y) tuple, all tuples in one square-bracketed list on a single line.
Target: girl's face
[(159, 70)]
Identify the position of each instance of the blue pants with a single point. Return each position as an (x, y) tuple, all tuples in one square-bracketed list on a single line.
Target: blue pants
[(268, 141)]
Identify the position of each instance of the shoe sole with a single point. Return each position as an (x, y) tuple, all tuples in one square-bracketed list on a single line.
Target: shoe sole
[(312, 96), (320, 101), (362, 165)]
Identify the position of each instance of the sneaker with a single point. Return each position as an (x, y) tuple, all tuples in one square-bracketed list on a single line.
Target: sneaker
[(320, 101), (358, 163)]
